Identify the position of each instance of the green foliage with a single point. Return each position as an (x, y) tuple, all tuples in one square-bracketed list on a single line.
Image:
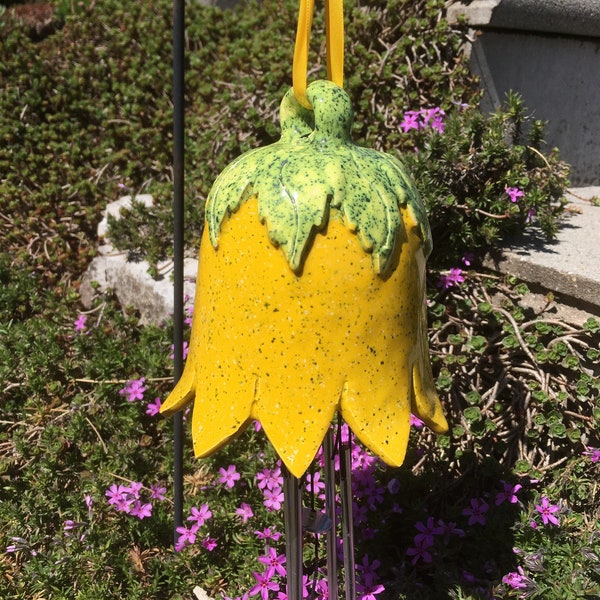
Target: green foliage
[(463, 175)]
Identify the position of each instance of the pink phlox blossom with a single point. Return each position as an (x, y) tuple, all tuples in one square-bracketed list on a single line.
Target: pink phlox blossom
[(153, 408), (209, 543), (514, 193), (362, 459), (516, 579), (80, 322), (548, 511), (593, 453), (314, 483), (367, 568), (157, 491), (416, 422), (476, 512), (115, 493), (420, 551), (141, 510), (273, 499), (229, 476), (368, 588), (427, 530), (374, 495), (269, 478), (274, 560), (448, 529), (187, 537), (89, 501), (267, 534), (322, 589), (453, 278), (184, 350), (410, 121), (509, 493), (134, 390), (434, 118), (360, 513), (245, 512), (134, 488), (200, 515), (264, 585)]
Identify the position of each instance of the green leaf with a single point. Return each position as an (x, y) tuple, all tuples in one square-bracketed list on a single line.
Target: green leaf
[(472, 414)]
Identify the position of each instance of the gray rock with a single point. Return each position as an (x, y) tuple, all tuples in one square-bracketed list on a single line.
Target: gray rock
[(130, 281)]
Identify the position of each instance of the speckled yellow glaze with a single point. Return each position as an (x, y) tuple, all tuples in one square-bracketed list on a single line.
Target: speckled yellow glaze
[(288, 332)]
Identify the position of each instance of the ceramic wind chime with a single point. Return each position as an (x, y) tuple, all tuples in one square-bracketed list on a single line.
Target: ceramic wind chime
[(310, 299)]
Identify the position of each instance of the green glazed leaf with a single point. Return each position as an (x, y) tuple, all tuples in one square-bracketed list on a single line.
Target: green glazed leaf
[(315, 166)]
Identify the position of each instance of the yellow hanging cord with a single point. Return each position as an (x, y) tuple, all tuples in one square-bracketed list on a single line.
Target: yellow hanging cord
[(335, 46)]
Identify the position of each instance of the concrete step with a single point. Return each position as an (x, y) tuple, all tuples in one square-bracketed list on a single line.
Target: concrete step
[(568, 266), (547, 51)]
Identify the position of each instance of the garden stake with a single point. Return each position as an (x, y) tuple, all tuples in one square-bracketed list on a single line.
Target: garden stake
[(329, 472), (178, 230), (311, 301)]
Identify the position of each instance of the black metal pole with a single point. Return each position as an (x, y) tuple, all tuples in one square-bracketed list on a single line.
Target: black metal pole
[(178, 229)]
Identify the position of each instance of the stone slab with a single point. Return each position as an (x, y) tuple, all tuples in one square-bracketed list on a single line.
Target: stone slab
[(580, 18), (130, 281), (568, 266)]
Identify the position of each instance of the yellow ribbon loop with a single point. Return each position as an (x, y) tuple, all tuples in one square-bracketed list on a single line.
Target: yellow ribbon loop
[(335, 46)]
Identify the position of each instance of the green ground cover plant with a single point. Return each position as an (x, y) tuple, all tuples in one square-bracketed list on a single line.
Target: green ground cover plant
[(507, 505)]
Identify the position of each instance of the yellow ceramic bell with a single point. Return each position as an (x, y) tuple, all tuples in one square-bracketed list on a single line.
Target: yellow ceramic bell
[(311, 294)]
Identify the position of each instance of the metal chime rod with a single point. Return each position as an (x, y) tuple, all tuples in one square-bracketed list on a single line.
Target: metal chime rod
[(178, 231), (293, 535), (347, 521), (329, 470)]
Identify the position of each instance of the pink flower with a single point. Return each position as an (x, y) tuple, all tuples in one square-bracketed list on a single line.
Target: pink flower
[(209, 543), (229, 476), (368, 569), (115, 493), (274, 561), (200, 515), (140, 510), (153, 408), (455, 277), (134, 389), (185, 351), (427, 531), (186, 537), (269, 478), (264, 584), (515, 580), (476, 512), (420, 551), (514, 193), (80, 323), (416, 422), (593, 453), (410, 121), (548, 511), (509, 493), (314, 483), (244, 511), (448, 529), (368, 589), (273, 499), (267, 534), (157, 492)]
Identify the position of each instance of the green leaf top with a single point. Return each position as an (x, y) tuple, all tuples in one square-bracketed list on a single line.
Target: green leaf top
[(313, 167)]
